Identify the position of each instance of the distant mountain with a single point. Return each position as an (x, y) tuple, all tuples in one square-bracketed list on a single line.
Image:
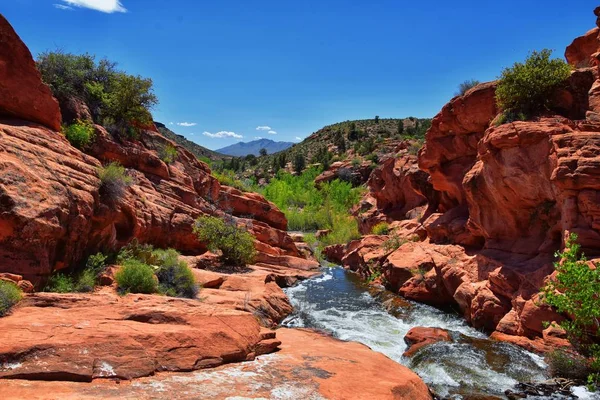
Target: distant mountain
[(244, 148), (195, 149)]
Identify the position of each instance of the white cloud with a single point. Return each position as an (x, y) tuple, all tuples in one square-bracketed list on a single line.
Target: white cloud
[(187, 124), (272, 133), (263, 128), (62, 7), (298, 139), (106, 6), (223, 134), (170, 123), (258, 137)]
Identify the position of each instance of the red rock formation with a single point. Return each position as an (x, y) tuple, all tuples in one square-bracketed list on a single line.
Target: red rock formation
[(52, 214), (309, 365), (419, 337), (22, 93)]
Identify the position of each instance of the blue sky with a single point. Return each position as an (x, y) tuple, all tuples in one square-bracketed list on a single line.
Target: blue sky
[(229, 67)]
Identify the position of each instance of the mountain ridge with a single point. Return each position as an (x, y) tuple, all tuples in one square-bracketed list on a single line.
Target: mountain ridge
[(241, 149)]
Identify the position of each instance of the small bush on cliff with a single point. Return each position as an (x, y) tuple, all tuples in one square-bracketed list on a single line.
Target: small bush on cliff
[(235, 243), (528, 87), (80, 134), (136, 277), (168, 153), (574, 292), (113, 181), (466, 85), (381, 228), (10, 294), (60, 283), (79, 281)]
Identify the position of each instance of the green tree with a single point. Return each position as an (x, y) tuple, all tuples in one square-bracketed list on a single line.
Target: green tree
[(527, 88), (377, 119), (262, 152), (299, 163), (400, 127), (574, 292), (339, 142), (236, 244)]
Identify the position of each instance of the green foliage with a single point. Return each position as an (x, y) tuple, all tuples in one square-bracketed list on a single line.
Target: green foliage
[(113, 181), (228, 178), (299, 163), (235, 243), (79, 281), (168, 153), (574, 292), (393, 242), (400, 128), (567, 364), (381, 228), (528, 87), (80, 134), (376, 119), (113, 97), (414, 148), (174, 276), (10, 294), (466, 85), (136, 277), (60, 283), (262, 152)]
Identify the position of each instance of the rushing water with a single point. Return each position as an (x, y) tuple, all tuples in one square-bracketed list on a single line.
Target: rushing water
[(469, 366)]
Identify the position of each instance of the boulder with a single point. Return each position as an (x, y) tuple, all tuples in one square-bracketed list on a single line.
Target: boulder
[(419, 337), (23, 95)]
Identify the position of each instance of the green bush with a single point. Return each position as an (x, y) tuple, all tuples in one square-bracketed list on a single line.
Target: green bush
[(168, 153), (528, 87), (568, 365), (393, 242), (466, 85), (60, 283), (10, 294), (381, 228), (136, 277), (574, 292), (113, 181), (236, 244), (174, 276), (80, 134), (113, 97)]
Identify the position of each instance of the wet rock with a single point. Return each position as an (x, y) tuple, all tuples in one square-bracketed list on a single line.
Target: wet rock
[(419, 337)]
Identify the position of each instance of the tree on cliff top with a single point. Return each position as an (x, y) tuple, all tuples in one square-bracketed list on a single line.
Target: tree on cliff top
[(526, 88), (113, 97)]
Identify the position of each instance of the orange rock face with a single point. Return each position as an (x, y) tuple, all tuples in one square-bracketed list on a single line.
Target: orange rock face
[(419, 337), (22, 93), (309, 365)]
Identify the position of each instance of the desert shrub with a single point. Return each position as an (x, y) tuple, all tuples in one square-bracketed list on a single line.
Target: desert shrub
[(168, 153), (60, 283), (136, 277), (528, 87), (227, 177), (466, 85), (113, 97), (174, 276), (381, 228), (235, 243), (574, 291), (113, 181), (299, 163), (80, 134), (96, 262), (393, 242), (10, 294), (414, 148)]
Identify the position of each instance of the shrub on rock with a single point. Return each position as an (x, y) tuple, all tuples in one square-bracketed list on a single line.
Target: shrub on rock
[(113, 181), (80, 134), (526, 88), (381, 228), (236, 244), (136, 277), (10, 294)]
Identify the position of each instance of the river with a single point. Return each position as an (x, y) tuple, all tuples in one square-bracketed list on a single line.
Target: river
[(470, 366)]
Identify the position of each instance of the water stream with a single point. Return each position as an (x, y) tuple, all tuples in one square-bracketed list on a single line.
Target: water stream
[(470, 366)]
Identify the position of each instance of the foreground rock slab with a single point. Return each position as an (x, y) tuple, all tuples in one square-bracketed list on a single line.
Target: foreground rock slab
[(76, 337), (309, 365)]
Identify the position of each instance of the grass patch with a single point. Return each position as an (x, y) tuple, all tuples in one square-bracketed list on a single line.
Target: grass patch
[(113, 181), (381, 228), (80, 134), (10, 294), (136, 277)]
